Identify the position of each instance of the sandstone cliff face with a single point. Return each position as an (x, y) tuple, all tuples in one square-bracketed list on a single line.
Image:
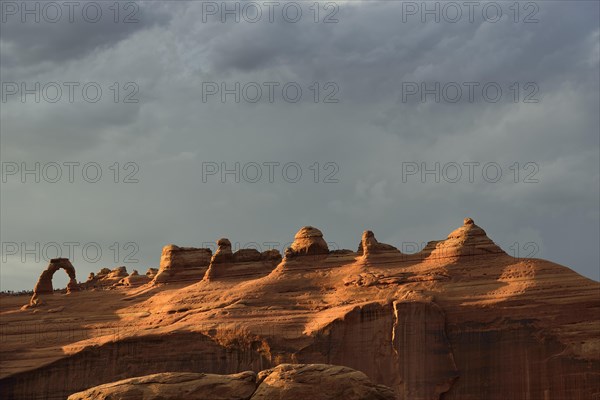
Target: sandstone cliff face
[(414, 356), (286, 381), (461, 320), (182, 264)]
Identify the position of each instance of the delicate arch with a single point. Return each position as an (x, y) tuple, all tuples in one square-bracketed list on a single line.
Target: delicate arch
[(44, 283)]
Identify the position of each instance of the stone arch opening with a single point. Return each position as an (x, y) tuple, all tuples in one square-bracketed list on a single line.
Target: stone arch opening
[(44, 283)]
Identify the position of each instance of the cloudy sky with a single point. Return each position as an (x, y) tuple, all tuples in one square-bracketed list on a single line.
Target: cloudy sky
[(249, 121)]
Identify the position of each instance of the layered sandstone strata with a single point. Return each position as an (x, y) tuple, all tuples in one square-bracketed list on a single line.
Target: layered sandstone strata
[(243, 264), (308, 241), (182, 264)]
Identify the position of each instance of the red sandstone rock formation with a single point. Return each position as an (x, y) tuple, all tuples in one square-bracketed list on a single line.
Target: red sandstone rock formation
[(308, 241), (370, 246), (44, 283), (175, 386), (461, 320), (105, 278), (286, 381), (151, 273), (467, 241), (134, 279), (243, 264), (181, 264)]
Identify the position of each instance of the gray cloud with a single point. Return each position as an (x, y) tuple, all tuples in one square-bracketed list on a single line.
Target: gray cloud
[(369, 134)]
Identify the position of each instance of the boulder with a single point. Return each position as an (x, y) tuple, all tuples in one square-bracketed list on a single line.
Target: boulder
[(284, 382), (175, 386), (134, 279)]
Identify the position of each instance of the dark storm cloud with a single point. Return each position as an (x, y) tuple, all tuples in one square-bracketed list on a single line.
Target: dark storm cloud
[(369, 134), (74, 35)]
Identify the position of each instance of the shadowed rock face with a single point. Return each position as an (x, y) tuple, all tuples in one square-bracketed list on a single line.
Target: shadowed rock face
[(417, 359), (461, 320), (286, 381)]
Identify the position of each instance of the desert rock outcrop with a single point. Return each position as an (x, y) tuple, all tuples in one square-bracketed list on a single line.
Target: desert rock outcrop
[(467, 241), (105, 278), (175, 386), (370, 246), (459, 320), (134, 279), (223, 253), (243, 264), (307, 241), (44, 283), (182, 264), (284, 382), (151, 272), (318, 382)]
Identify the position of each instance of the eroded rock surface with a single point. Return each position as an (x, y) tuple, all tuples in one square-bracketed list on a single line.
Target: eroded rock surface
[(175, 386), (284, 382), (105, 278), (243, 264), (369, 246), (461, 320), (133, 279), (318, 382), (467, 241), (307, 242), (151, 272), (182, 264), (44, 283)]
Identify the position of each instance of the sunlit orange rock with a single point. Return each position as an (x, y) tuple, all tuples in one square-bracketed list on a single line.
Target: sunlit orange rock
[(460, 320)]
